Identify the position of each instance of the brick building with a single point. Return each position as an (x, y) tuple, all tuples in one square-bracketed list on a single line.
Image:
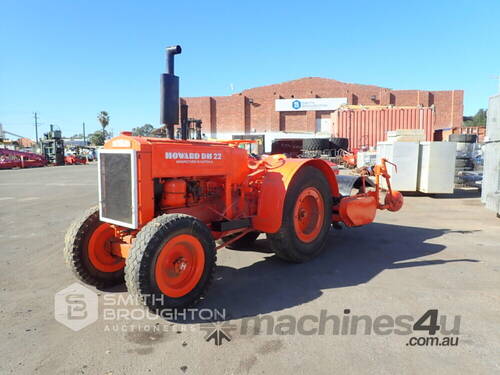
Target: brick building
[(262, 110)]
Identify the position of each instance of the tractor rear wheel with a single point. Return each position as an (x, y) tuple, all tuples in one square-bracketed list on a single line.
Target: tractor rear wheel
[(306, 217), (171, 263), (87, 251)]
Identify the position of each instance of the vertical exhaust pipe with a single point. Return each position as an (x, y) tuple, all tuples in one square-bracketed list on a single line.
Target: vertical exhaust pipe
[(169, 93), (171, 52)]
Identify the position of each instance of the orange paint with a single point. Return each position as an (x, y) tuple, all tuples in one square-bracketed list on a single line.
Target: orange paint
[(174, 193), (358, 210), (179, 265), (99, 250), (217, 181), (274, 187), (308, 214)]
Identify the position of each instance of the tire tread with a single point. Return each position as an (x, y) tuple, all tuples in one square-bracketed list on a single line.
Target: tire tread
[(141, 256)]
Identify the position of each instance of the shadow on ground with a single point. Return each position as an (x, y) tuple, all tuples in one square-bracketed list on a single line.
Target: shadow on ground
[(458, 193), (351, 257)]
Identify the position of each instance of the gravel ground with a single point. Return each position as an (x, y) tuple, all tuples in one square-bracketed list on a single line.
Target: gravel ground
[(437, 253)]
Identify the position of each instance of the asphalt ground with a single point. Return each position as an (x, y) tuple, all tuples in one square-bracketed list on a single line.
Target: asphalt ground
[(437, 253)]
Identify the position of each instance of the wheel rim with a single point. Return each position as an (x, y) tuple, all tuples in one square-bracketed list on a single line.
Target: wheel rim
[(180, 265), (99, 250), (308, 214)]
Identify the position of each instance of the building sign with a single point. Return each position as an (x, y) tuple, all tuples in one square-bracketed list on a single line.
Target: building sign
[(309, 104)]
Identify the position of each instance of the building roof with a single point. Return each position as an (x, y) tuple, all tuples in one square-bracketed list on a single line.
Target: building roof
[(307, 80)]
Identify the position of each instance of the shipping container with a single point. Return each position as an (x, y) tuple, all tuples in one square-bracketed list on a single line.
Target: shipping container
[(368, 126)]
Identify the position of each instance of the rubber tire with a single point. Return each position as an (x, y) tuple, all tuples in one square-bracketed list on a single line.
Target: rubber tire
[(244, 242), (342, 143), (75, 242), (291, 147), (463, 138), (311, 154), (140, 264), (315, 144), (285, 243)]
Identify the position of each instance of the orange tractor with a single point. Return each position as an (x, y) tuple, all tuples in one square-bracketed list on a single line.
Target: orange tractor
[(163, 203)]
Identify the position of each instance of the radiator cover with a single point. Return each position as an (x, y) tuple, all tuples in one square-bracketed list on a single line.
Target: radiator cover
[(118, 187)]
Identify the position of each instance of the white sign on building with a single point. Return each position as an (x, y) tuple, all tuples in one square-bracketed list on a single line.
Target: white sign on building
[(309, 104)]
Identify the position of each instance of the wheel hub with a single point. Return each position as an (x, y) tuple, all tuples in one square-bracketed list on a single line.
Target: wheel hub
[(179, 265), (99, 250), (308, 214)]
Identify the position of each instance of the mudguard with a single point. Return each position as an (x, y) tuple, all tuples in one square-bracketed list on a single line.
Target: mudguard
[(346, 183), (274, 188)]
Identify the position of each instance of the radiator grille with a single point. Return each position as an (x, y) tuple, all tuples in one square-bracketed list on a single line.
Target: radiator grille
[(117, 182)]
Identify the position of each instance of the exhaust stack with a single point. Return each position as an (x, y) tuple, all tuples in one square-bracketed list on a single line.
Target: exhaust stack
[(169, 93)]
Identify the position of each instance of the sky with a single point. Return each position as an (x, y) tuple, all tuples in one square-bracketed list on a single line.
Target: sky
[(68, 60)]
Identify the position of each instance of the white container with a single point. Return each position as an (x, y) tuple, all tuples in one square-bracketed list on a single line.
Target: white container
[(406, 135), (490, 189), (436, 167), (405, 156), (366, 159)]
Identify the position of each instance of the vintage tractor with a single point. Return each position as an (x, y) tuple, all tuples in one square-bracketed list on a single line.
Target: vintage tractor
[(163, 203)]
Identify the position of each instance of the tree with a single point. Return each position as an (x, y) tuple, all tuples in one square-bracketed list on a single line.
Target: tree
[(143, 131), (103, 118), (98, 137), (479, 119)]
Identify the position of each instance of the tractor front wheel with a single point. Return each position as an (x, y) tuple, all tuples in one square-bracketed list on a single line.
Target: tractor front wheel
[(171, 263), (87, 251), (306, 217)]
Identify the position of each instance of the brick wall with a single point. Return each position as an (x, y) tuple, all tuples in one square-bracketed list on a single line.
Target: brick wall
[(253, 110)]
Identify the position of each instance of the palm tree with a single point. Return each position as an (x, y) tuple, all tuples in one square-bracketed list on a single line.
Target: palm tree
[(103, 118)]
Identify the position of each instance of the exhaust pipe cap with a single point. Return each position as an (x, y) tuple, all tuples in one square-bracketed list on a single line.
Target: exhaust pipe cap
[(174, 49)]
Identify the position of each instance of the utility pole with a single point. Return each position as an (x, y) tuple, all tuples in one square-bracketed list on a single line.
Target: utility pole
[(85, 143), (36, 128)]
